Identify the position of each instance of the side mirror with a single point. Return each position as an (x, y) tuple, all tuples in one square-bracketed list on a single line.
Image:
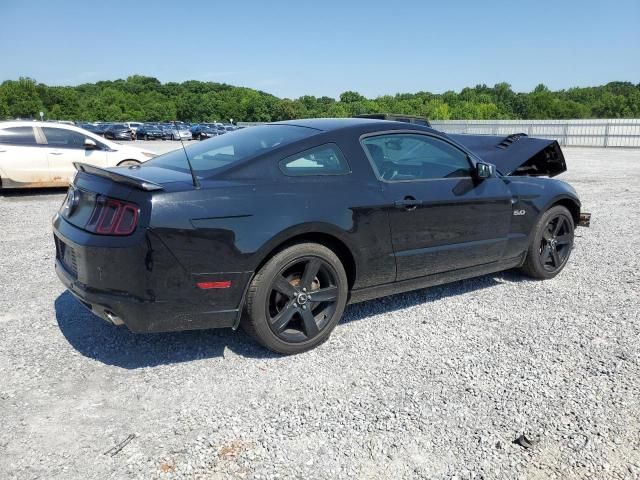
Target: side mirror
[(90, 144), (484, 170)]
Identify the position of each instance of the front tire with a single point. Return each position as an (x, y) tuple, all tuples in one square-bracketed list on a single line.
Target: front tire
[(551, 244), (296, 299), (128, 163)]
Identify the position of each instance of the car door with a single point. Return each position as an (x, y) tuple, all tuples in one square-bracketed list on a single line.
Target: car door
[(23, 161), (65, 146), (441, 217)]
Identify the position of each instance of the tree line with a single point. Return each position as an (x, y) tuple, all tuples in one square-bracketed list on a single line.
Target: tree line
[(145, 98)]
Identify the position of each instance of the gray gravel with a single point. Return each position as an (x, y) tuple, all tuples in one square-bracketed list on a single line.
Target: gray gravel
[(432, 384)]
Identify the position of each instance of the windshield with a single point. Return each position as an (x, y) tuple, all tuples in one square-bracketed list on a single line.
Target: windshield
[(235, 147)]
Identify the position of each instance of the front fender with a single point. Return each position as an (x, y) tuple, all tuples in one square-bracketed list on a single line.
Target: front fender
[(532, 196)]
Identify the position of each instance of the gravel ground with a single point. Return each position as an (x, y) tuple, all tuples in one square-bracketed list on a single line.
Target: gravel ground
[(432, 384)]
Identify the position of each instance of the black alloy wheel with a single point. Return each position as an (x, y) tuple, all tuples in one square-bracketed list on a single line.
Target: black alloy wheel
[(302, 299), (551, 244), (296, 299), (555, 246)]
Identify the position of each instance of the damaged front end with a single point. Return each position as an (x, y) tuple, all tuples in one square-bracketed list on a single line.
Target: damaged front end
[(521, 155), (517, 154)]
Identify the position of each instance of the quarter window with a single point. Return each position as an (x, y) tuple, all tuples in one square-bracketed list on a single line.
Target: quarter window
[(59, 137), (405, 157), (18, 136), (323, 160)]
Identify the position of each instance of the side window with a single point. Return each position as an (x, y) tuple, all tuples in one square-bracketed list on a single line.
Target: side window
[(18, 136), (62, 138), (324, 160), (402, 157)]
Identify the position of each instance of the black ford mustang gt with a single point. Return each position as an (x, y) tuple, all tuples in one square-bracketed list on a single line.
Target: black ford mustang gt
[(278, 227)]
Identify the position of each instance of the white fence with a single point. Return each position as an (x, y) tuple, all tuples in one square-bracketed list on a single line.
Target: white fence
[(584, 133)]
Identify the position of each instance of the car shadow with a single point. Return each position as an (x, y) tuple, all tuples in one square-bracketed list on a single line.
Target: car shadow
[(400, 301), (94, 338)]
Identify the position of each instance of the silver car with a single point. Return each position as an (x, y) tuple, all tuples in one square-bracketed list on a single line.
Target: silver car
[(176, 132)]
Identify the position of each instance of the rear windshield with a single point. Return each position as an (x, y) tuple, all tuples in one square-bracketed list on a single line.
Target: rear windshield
[(234, 147)]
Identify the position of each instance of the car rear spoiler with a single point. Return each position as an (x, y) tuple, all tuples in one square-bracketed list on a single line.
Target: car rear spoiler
[(518, 154), (117, 177)]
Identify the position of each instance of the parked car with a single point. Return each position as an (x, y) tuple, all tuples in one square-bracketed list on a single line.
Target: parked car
[(195, 130), (150, 132), (118, 131), (176, 132), (41, 154), (90, 127), (203, 130), (133, 126), (101, 128), (207, 132), (287, 222), (167, 130)]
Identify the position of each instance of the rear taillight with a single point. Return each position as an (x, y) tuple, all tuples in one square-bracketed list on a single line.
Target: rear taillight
[(113, 217)]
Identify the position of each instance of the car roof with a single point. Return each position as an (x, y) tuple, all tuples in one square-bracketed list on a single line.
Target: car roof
[(36, 123), (328, 124)]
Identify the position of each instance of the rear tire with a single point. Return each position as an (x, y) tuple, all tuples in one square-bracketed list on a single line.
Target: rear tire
[(551, 244), (296, 299)]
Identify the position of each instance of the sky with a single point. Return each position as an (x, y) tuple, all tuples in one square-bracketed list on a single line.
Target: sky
[(325, 47)]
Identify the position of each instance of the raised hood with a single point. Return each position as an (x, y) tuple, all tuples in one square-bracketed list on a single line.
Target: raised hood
[(517, 154)]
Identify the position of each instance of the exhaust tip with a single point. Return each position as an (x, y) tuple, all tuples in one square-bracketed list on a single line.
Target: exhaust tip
[(113, 318)]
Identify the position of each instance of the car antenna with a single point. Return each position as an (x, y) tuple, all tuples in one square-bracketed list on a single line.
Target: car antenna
[(193, 175)]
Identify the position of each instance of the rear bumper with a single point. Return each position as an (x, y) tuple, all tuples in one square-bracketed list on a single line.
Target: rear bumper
[(143, 285)]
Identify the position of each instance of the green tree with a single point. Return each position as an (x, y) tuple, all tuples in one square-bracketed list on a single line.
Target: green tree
[(20, 98), (140, 97)]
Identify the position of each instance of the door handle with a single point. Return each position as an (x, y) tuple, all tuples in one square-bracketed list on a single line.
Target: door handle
[(408, 203), (55, 153)]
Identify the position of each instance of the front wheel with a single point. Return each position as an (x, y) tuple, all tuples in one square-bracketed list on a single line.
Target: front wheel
[(296, 299), (128, 163), (551, 244)]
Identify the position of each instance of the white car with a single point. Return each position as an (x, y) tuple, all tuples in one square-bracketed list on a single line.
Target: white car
[(133, 126), (41, 154)]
